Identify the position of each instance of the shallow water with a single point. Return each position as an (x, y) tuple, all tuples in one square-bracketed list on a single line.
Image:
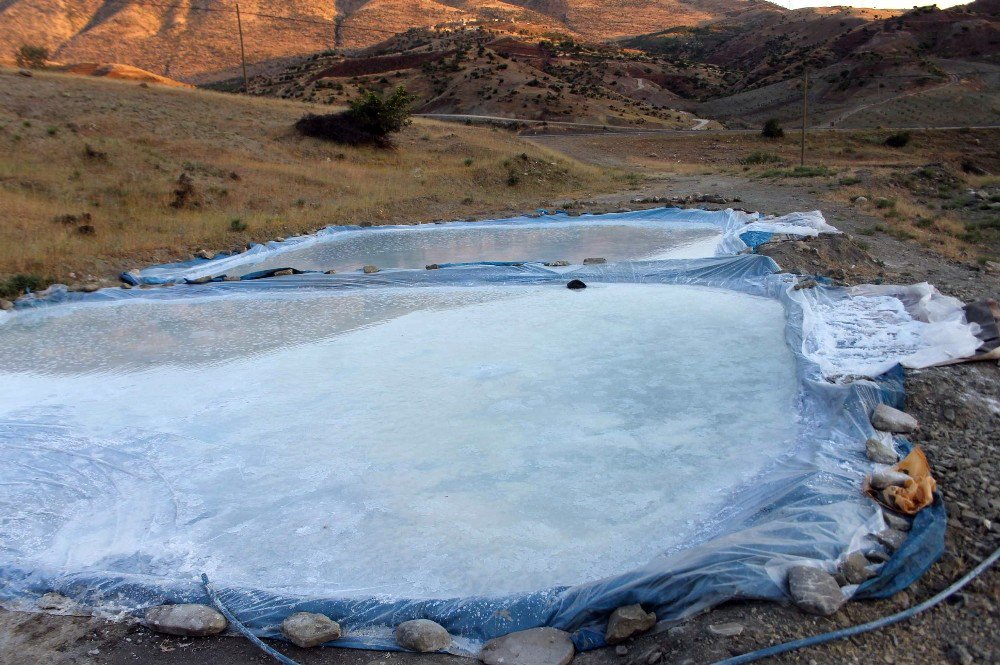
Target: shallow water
[(422, 443), (418, 246)]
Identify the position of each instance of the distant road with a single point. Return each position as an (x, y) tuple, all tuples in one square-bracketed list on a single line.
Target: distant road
[(699, 125), (611, 130)]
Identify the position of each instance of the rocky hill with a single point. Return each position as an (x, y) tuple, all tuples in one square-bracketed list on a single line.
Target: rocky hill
[(491, 72), (923, 67), (197, 40)]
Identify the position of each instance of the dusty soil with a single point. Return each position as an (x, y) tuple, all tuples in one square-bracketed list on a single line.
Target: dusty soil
[(959, 408)]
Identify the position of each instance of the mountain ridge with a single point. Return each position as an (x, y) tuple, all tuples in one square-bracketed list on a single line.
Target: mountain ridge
[(197, 40)]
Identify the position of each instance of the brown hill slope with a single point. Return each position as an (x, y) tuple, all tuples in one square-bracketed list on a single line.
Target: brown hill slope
[(491, 72), (923, 67), (197, 40)]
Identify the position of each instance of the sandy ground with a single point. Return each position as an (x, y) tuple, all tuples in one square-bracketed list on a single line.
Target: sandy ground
[(960, 411)]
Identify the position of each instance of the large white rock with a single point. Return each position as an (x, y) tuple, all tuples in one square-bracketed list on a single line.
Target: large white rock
[(814, 590), (422, 635), (537, 646), (308, 629), (628, 621), (186, 620), (888, 419)]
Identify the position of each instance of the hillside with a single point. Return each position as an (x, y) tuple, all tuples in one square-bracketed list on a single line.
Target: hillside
[(491, 72), (197, 40), (90, 170), (869, 67)]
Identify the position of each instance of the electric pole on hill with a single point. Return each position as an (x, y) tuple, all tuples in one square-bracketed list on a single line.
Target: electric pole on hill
[(243, 55), (805, 113)]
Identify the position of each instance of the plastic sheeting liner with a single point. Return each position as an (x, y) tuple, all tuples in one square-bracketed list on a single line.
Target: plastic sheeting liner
[(659, 233), (805, 506)]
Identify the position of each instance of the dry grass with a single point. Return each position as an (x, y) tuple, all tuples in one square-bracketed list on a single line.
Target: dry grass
[(840, 165), (246, 164)]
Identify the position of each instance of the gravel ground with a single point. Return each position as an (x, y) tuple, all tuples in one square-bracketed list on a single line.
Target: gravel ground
[(958, 406)]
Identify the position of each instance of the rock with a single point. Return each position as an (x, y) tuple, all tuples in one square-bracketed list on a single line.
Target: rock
[(877, 556), (126, 286), (283, 273), (56, 602), (134, 274), (330, 272), (814, 590), (881, 451), (730, 629), (89, 287), (204, 279), (422, 635), (627, 621), (594, 261), (805, 284), (368, 270), (888, 419), (230, 278), (860, 199), (432, 266), (891, 538), (537, 646), (6, 305), (854, 568), (895, 521), (960, 655), (365, 225), (25, 72), (204, 254), (186, 620), (308, 629), (576, 285), (713, 198), (621, 650), (886, 477), (557, 264)]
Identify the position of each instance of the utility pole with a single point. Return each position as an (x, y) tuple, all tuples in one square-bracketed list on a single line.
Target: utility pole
[(243, 55), (805, 113)]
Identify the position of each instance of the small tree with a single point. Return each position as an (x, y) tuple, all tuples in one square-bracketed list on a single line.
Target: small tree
[(381, 116), (32, 57), (370, 120), (898, 140), (772, 129)]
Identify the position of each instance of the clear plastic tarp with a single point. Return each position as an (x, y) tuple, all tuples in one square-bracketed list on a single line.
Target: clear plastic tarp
[(660, 233), (476, 445)]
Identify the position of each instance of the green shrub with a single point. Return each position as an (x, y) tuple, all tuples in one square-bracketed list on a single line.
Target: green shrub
[(371, 119), (237, 225), (898, 140), (760, 157), (772, 129), (15, 285), (32, 56), (885, 204)]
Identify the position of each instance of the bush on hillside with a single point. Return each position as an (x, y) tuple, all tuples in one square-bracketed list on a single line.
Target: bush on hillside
[(372, 119), (898, 140), (32, 57), (772, 129)]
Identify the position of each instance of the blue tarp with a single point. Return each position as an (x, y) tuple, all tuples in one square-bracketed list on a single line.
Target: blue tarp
[(807, 508)]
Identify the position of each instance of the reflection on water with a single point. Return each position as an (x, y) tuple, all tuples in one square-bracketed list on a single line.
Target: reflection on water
[(419, 246)]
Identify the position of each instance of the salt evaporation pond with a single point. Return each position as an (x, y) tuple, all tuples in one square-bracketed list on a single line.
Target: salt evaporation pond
[(422, 442), (420, 245)]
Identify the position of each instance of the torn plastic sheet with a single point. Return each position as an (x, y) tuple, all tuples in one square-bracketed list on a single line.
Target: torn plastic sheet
[(660, 233), (806, 507)]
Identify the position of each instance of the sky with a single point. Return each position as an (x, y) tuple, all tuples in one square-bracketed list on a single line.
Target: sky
[(881, 4)]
